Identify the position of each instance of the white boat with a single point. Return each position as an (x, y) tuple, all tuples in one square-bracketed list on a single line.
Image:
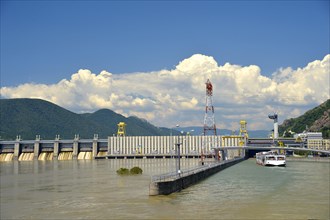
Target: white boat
[(270, 158)]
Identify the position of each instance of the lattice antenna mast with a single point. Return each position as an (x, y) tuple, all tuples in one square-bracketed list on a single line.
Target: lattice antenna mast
[(209, 122)]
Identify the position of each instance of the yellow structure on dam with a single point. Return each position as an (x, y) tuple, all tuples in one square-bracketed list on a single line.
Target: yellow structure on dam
[(121, 129)]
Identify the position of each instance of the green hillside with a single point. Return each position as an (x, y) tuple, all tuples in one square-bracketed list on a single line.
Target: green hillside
[(135, 126), (316, 120), (31, 117)]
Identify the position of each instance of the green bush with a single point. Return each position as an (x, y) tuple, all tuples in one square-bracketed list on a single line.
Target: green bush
[(133, 171), (123, 171), (136, 170)]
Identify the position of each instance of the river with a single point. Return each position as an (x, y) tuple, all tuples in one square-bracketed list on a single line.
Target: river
[(91, 189)]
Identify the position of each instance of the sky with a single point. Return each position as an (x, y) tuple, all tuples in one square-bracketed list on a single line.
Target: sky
[(151, 59)]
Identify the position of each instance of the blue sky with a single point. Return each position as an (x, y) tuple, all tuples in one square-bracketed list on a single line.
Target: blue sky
[(44, 41), (151, 58)]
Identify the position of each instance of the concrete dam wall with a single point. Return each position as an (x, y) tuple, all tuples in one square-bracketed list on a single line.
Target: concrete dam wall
[(113, 147)]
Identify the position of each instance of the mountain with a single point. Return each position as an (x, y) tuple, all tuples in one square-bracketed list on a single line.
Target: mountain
[(135, 126), (31, 117), (315, 120)]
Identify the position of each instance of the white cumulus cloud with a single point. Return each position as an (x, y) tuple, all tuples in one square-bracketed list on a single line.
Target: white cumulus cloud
[(177, 96)]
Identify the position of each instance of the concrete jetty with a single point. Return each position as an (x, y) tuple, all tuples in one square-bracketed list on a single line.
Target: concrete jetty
[(166, 184)]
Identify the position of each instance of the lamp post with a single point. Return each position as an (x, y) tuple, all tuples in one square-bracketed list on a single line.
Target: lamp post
[(171, 143), (178, 171), (179, 168), (177, 125)]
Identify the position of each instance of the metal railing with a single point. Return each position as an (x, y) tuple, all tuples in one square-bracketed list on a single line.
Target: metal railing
[(186, 172)]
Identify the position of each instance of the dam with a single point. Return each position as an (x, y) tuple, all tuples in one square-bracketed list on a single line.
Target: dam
[(130, 147), (114, 147)]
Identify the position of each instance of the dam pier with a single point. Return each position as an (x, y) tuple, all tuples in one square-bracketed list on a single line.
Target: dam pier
[(166, 184)]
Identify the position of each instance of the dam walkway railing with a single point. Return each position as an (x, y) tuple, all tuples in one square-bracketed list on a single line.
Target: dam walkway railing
[(186, 172)]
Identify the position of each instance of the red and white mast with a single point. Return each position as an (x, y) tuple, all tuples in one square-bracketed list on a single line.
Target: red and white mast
[(209, 122)]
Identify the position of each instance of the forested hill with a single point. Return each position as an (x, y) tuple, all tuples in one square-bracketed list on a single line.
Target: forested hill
[(31, 117), (316, 120)]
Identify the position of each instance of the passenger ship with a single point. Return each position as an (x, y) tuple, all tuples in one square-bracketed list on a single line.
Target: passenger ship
[(270, 158)]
